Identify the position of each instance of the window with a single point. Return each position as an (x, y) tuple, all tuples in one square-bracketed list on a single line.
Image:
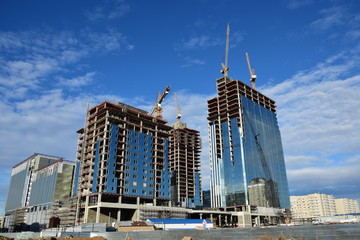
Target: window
[(134, 190), (134, 183), (144, 184), (134, 176)]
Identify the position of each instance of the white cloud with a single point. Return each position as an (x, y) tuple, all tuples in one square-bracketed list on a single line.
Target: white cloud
[(339, 181), (77, 81), (295, 4), (199, 42), (295, 162), (319, 120), (206, 41), (109, 9), (189, 61), (32, 59), (331, 17)]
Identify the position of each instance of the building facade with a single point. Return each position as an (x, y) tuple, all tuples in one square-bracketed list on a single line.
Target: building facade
[(123, 162), (246, 155), (184, 159), (312, 205), (37, 186), (347, 206)]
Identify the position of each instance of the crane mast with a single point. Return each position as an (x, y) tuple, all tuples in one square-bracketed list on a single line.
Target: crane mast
[(178, 110), (251, 71), (225, 66), (157, 108)]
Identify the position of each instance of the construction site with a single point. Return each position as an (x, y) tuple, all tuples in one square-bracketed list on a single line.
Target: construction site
[(131, 164)]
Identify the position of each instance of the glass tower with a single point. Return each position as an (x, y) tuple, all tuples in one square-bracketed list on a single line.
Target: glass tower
[(246, 155)]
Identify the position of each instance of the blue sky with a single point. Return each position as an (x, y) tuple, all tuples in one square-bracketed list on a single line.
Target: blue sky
[(57, 54)]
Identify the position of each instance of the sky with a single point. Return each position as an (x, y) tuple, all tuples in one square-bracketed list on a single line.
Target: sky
[(55, 56)]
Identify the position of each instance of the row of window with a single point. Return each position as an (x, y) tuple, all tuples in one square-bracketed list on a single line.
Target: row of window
[(144, 192), (135, 176)]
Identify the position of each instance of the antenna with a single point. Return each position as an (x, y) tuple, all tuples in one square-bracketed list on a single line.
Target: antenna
[(178, 110), (225, 67), (251, 71)]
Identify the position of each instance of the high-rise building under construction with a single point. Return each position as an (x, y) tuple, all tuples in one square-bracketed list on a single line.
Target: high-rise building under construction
[(247, 161), (184, 160), (122, 159), (246, 154), (125, 166)]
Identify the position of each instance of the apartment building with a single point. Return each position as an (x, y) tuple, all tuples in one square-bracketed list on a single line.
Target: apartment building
[(347, 206), (312, 205)]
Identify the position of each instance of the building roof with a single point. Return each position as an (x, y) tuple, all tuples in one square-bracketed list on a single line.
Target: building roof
[(178, 221)]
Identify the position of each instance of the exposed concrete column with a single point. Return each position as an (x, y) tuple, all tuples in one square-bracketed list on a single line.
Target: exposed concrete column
[(211, 217), (257, 221), (86, 214), (154, 201), (201, 215), (98, 209), (138, 201), (97, 214), (120, 199), (118, 218), (219, 220)]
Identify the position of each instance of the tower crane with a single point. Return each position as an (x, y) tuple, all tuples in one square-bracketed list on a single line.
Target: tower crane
[(225, 67), (157, 106), (271, 195), (178, 110), (251, 71), (264, 164)]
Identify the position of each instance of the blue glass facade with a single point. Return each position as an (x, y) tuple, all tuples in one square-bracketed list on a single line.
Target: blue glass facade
[(111, 181), (247, 160), (139, 171)]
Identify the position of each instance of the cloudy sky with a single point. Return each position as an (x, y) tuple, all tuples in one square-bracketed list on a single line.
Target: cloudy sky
[(55, 55)]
